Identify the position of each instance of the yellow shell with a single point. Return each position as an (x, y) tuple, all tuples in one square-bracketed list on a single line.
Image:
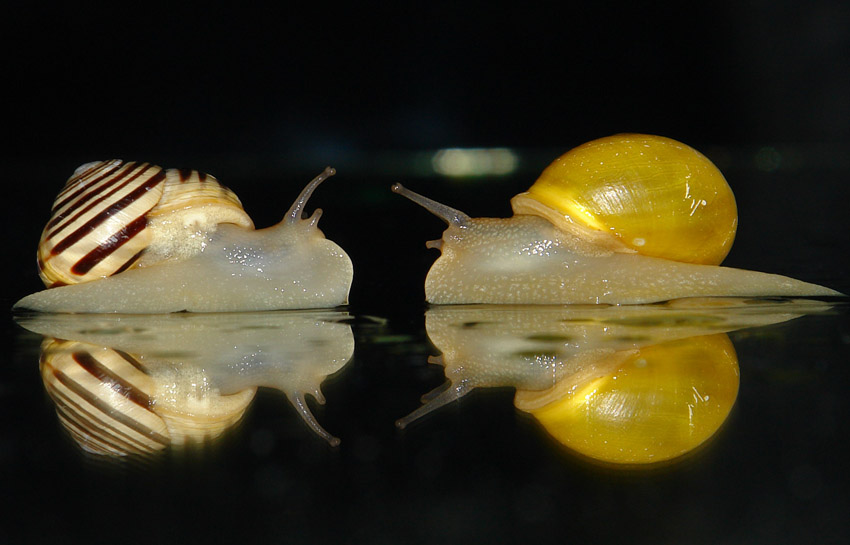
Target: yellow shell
[(638, 193), (110, 213), (658, 404)]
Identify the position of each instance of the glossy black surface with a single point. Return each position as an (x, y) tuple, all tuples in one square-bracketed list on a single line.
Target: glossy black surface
[(477, 468)]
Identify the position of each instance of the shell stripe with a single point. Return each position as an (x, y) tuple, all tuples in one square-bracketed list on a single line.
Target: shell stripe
[(187, 175), (105, 249), (62, 200), (116, 382), (104, 215), (108, 415), (129, 263), (94, 192), (131, 360)]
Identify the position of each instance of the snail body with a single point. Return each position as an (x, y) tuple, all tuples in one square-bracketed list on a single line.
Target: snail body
[(627, 219), (140, 244)]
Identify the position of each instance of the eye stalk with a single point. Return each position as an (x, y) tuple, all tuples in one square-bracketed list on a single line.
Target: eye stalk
[(297, 210), (446, 213)]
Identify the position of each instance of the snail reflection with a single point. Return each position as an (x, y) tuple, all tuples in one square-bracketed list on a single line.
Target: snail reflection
[(618, 384), (140, 384)]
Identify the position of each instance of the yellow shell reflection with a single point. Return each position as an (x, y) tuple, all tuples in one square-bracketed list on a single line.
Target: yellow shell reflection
[(630, 385), (138, 385), (657, 404)]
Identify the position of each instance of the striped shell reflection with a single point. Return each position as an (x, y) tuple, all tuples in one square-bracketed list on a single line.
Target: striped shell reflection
[(103, 398), (110, 404)]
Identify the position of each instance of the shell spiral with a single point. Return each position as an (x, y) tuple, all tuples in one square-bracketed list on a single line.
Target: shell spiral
[(638, 193), (114, 215)]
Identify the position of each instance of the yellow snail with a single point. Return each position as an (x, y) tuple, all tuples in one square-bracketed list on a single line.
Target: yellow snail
[(626, 219), (131, 237)]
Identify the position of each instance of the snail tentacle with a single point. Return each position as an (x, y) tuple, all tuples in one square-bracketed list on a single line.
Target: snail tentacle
[(295, 212), (442, 395), (448, 214), (300, 403)]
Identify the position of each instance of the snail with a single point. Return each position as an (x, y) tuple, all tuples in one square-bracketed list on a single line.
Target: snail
[(134, 238), (626, 219)]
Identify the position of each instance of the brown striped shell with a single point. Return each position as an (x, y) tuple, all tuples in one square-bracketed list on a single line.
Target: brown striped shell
[(113, 215)]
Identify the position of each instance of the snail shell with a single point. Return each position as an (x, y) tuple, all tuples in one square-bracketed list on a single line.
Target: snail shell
[(111, 213), (134, 238), (624, 219), (639, 194)]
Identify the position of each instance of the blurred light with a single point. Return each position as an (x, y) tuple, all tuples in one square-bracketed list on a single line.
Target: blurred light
[(768, 159), (468, 162)]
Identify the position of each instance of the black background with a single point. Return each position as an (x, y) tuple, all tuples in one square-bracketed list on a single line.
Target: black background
[(264, 98)]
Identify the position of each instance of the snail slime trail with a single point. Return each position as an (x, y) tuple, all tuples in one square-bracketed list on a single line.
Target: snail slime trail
[(625, 219), (133, 238)]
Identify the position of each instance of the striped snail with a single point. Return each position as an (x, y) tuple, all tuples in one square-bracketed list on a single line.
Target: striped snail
[(131, 237), (626, 219)]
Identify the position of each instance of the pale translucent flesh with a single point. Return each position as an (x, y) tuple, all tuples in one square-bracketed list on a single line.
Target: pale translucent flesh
[(534, 263)]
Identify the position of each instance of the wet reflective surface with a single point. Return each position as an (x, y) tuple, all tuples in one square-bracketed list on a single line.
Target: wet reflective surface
[(717, 417)]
